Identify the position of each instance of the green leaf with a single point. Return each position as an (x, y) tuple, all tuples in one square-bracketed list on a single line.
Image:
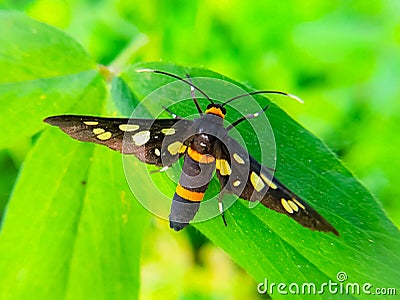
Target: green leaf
[(42, 71), (7, 179), (71, 231), (110, 234), (270, 245), (31, 50), (72, 228)]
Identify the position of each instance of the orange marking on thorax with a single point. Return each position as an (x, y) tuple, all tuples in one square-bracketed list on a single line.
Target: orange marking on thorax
[(215, 111), (189, 195), (201, 158)]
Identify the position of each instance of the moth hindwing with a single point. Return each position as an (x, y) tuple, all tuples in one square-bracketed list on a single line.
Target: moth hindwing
[(206, 147)]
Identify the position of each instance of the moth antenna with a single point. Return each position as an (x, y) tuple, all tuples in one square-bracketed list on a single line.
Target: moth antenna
[(193, 95), (247, 117), (176, 77), (264, 92)]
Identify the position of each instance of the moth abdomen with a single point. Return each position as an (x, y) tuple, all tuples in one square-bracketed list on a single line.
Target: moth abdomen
[(197, 171)]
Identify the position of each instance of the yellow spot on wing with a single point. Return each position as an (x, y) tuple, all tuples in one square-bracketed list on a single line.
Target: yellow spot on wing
[(174, 147), (141, 138), (183, 149), (128, 127), (236, 183), (298, 203), (286, 206), (223, 166), (293, 205), (268, 181), (238, 159), (97, 131), (105, 136), (91, 123), (168, 131), (256, 181)]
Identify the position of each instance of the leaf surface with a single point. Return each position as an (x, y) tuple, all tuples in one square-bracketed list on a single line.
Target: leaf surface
[(42, 71), (270, 245), (72, 228)]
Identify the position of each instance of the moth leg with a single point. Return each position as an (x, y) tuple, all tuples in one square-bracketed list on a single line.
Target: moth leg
[(163, 169), (173, 115), (247, 117), (221, 208), (270, 169)]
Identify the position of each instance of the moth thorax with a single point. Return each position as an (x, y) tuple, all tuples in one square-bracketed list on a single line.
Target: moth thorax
[(216, 110), (203, 143)]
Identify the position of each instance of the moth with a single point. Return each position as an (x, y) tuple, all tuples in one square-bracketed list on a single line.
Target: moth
[(206, 147)]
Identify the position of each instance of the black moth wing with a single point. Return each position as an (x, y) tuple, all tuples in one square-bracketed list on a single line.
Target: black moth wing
[(249, 180), (140, 137)]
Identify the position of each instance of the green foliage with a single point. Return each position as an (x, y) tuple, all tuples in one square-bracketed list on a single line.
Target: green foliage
[(262, 241), (34, 76), (69, 231), (73, 229)]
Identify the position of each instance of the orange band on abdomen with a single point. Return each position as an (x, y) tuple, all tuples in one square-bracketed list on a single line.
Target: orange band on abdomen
[(201, 158), (189, 195)]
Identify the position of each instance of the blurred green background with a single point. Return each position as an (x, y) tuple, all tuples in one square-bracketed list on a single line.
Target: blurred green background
[(341, 57)]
